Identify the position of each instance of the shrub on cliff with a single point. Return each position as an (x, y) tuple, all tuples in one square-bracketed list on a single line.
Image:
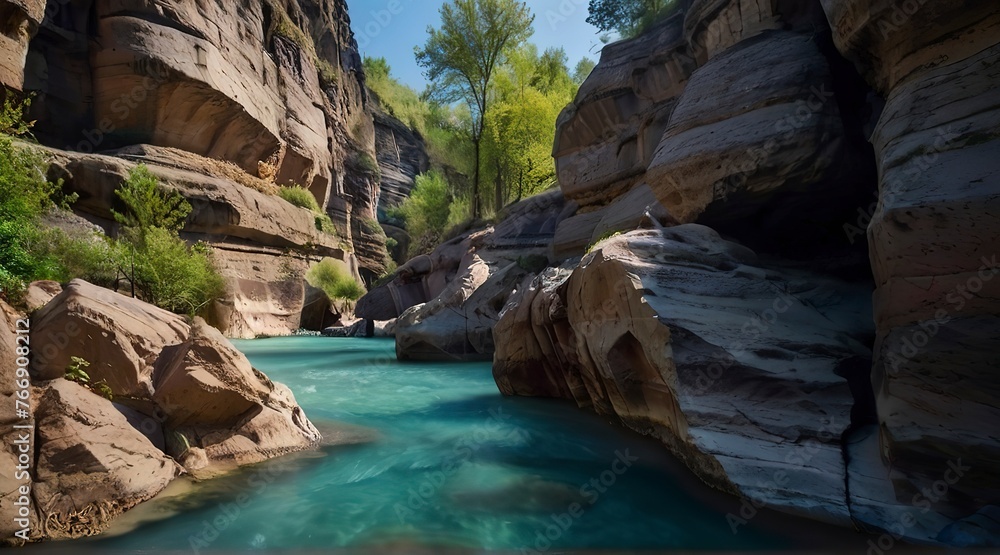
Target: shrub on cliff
[(25, 195), (334, 279), (425, 213), (161, 267), (299, 196)]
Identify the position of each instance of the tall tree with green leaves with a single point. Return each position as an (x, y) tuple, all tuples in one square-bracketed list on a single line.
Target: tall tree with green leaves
[(628, 17), (461, 58)]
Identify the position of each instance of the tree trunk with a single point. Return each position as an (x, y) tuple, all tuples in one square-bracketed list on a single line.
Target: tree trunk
[(475, 181)]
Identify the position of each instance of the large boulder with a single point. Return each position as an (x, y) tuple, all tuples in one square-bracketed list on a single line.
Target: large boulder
[(183, 376), (92, 466), (736, 367)]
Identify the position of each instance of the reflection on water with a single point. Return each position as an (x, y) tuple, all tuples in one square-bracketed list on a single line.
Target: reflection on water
[(453, 464)]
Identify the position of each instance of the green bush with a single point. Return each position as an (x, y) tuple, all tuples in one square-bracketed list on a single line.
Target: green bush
[(426, 212), (12, 116), (171, 274), (148, 205), (299, 196), (333, 278), (25, 195)]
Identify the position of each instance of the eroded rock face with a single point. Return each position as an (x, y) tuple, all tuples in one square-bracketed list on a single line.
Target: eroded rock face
[(447, 302), (737, 115), (21, 19), (932, 237), (92, 465), (184, 377), (278, 93), (691, 339)]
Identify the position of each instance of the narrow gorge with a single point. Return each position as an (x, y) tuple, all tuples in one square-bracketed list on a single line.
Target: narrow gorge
[(766, 258)]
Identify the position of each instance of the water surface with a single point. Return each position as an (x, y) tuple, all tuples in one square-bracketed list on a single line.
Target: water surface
[(454, 464)]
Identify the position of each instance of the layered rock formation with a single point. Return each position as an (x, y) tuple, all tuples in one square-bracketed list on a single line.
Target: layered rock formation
[(183, 400), (278, 94), (754, 119), (686, 337), (932, 241), (402, 156)]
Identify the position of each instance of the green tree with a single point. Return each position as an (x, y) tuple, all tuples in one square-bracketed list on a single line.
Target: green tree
[(148, 205), (461, 57), (426, 211), (628, 17), (583, 69)]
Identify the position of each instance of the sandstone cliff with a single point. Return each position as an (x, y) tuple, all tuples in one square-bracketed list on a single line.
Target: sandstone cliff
[(222, 112), (790, 128)]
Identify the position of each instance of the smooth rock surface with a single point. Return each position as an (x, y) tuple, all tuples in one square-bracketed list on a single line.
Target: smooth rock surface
[(693, 340)]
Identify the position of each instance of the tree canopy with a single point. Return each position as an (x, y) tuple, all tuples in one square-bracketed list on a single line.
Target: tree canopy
[(461, 57), (628, 17)]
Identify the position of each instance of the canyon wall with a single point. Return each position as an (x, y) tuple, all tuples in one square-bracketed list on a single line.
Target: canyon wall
[(224, 101), (737, 325)]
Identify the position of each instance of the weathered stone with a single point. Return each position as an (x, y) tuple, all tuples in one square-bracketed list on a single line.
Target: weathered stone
[(185, 377), (92, 465), (39, 294), (21, 19), (932, 238), (690, 339)]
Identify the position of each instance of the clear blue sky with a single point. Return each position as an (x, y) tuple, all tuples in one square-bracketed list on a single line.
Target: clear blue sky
[(380, 32)]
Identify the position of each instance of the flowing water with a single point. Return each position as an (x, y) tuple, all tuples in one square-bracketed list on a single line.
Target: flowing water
[(452, 464)]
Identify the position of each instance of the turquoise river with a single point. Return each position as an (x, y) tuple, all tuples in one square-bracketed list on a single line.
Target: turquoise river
[(450, 465)]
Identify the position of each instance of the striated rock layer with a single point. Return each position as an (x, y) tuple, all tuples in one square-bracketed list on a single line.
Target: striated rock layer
[(932, 238), (681, 335), (277, 93)]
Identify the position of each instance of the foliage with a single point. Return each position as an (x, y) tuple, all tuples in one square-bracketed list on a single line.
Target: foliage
[(25, 195), (333, 278), (169, 273), (427, 211), (325, 224), (583, 69), (461, 56), (368, 164), (299, 196), (148, 205), (530, 92), (77, 372), (628, 18), (162, 268), (13, 113), (604, 237)]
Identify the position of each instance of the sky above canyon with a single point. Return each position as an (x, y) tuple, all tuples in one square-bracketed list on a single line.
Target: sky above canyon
[(392, 28)]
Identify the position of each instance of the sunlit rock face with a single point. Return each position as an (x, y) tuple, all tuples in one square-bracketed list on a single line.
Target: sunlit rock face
[(932, 238), (19, 20), (738, 368), (276, 92)]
